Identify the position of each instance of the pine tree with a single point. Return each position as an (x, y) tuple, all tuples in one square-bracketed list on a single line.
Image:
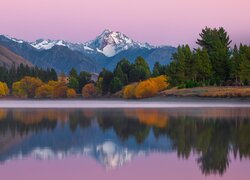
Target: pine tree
[(216, 42), (115, 85), (156, 70), (73, 73)]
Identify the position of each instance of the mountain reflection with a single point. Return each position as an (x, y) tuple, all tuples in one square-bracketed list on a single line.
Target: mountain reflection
[(114, 136)]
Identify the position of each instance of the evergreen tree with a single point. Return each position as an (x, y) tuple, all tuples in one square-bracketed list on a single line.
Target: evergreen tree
[(139, 71), (74, 84), (53, 75), (177, 68), (244, 64), (202, 66), (73, 73), (125, 66), (107, 77), (216, 42), (118, 73), (156, 70), (115, 85), (84, 78)]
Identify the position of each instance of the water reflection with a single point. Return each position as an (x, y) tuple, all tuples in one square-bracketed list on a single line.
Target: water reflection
[(115, 136)]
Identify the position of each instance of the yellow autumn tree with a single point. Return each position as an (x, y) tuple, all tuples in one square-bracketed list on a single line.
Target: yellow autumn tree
[(161, 82), (129, 91), (145, 89), (54, 89), (26, 87), (59, 89), (16, 89), (4, 90), (89, 90), (44, 91)]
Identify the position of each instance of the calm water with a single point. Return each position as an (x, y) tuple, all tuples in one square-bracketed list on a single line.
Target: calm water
[(165, 143)]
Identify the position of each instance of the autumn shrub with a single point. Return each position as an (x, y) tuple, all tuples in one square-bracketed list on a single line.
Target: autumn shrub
[(147, 88), (89, 90), (44, 91), (26, 87), (129, 91), (161, 82), (71, 93), (59, 89), (4, 90), (16, 89)]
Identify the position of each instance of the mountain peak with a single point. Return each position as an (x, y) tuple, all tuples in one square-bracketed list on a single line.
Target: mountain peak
[(13, 39), (111, 43), (45, 44), (106, 31), (108, 43)]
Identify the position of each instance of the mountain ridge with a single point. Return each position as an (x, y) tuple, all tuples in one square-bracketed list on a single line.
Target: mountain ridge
[(102, 52), (9, 58)]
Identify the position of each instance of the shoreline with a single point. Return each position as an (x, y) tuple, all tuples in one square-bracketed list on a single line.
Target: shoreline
[(155, 102)]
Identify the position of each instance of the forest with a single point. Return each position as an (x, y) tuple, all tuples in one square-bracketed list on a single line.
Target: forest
[(212, 63)]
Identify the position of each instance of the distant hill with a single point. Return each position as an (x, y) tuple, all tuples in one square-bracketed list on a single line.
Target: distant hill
[(61, 58), (9, 58)]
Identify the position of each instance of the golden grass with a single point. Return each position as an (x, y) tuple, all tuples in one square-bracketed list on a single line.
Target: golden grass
[(209, 92)]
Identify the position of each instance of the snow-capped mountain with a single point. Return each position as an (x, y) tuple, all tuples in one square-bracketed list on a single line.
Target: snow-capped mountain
[(111, 43), (105, 51), (47, 44), (109, 154), (108, 43), (14, 39), (104, 147)]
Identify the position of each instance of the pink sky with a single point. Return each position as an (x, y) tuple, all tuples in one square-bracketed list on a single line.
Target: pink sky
[(158, 22), (144, 167)]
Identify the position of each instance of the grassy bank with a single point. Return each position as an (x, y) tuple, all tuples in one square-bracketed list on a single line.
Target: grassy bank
[(209, 92)]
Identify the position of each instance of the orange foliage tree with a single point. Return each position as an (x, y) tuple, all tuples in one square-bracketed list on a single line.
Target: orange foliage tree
[(26, 87), (59, 89), (129, 91), (89, 90), (161, 82), (4, 90), (71, 93), (146, 88), (44, 91)]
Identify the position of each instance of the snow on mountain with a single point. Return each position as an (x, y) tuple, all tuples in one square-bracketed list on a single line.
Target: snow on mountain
[(47, 44), (109, 154), (111, 43), (108, 43), (14, 39)]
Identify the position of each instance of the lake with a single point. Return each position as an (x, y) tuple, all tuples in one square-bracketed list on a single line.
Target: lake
[(125, 143)]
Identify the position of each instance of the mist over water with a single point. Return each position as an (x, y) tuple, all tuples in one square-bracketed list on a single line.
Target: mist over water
[(150, 103)]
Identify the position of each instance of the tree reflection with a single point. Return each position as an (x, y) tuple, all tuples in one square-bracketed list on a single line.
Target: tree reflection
[(123, 126), (211, 138), (213, 134)]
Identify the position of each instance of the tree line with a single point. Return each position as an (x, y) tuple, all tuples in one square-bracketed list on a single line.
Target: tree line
[(16, 73), (212, 63), (110, 82)]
